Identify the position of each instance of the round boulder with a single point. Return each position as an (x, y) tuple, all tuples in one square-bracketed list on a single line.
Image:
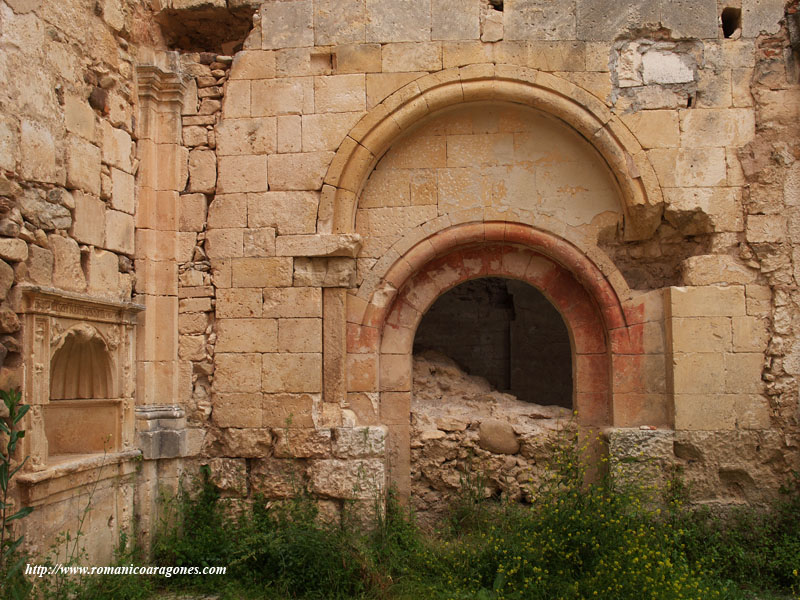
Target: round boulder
[(498, 437)]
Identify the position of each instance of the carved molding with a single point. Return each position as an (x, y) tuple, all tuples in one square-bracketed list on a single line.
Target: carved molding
[(56, 303), (159, 85)]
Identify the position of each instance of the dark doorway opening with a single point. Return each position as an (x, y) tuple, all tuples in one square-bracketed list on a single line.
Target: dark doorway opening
[(507, 332)]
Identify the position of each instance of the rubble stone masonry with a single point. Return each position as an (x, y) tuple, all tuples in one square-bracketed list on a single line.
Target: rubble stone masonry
[(221, 223)]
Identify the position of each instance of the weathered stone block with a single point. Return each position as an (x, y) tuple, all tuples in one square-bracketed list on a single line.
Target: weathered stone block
[(358, 58), (9, 142), (359, 442), (259, 242), (67, 273), (381, 85), (246, 443), (203, 171), (750, 334), (242, 174), (284, 96), (340, 93), (455, 19), (247, 335), (224, 243), (289, 410), (761, 16), (123, 196), (13, 249), (90, 220), (38, 268), (743, 373), (698, 373), (689, 167), (43, 214), (655, 128), (290, 133), (304, 171), (703, 210), (237, 410), (539, 20), (717, 127), (102, 272), (407, 56), (193, 208), (237, 372), (247, 136), (299, 335), (117, 147), (227, 211), (287, 24), (79, 117), (707, 301), (292, 302), (701, 334), (352, 479), (288, 212), (398, 21), (318, 245), (326, 131), (229, 475), (253, 64), (262, 272), (720, 412), (192, 323), (691, 18), (119, 232), (278, 478), (324, 272), (339, 21), (38, 153), (302, 443), (604, 20), (710, 269), (237, 303), (292, 373), (766, 228), (192, 347)]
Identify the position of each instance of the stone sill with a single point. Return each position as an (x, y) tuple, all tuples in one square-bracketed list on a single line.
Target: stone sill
[(71, 464)]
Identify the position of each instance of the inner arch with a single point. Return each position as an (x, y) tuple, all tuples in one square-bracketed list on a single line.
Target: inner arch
[(505, 331)]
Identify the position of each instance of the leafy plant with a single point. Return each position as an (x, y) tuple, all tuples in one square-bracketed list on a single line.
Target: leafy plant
[(11, 559)]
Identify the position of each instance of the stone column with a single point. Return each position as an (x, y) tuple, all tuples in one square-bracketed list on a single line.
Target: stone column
[(163, 171)]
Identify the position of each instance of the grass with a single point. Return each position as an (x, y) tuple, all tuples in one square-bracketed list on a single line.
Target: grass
[(607, 540)]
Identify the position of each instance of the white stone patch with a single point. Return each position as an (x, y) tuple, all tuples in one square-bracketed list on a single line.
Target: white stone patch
[(664, 67)]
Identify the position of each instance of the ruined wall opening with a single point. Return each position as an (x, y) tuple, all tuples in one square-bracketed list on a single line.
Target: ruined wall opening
[(505, 331), (492, 386)]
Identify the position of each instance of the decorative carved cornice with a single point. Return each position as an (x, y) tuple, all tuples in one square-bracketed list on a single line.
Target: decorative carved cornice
[(159, 85), (57, 303)]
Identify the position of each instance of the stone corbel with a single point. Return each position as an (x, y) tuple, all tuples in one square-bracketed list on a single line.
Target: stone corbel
[(337, 244)]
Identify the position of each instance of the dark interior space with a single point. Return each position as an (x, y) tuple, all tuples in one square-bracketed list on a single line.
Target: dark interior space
[(507, 332)]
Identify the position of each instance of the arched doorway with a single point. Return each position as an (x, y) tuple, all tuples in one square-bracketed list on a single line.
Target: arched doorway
[(569, 280)]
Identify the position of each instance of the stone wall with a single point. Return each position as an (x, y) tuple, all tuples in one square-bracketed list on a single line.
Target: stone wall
[(283, 202)]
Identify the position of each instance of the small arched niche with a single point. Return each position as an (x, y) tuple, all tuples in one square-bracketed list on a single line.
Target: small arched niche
[(81, 366), (83, 414)]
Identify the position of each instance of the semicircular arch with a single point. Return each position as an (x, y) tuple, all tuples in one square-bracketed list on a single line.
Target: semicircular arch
[(372, 136)]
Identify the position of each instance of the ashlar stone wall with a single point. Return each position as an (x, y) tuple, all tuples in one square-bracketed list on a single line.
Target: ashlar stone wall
[(276, 211)]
